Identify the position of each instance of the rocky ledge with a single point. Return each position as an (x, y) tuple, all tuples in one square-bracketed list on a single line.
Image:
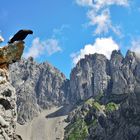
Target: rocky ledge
[(8, 115)]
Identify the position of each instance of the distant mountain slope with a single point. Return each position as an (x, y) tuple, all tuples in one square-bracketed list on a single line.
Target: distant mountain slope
[(38, 86)]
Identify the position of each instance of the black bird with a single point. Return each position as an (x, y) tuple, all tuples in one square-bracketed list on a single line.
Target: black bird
[(20, 35)]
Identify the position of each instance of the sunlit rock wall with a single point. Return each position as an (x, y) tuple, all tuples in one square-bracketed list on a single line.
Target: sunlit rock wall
[(8, 115)]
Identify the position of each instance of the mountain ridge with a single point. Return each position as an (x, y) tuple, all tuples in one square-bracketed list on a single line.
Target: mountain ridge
[(114, 86), (110, 109), (38, 86)]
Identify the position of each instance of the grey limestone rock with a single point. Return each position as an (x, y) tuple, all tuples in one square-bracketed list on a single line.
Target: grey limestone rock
[(95, 75), (118, 79), (8, 107), (41, 86), (89, 77), (38, 86)]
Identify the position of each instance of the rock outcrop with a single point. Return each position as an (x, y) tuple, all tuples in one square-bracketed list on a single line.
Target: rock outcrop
[(96, 76), (8, 108), (93, 120), (38, 86), (113, 110), (113, 86), (89, 77)]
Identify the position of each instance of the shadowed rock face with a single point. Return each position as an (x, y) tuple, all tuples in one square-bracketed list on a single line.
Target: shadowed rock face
[(106, 122), (8, 115), (5, 103)]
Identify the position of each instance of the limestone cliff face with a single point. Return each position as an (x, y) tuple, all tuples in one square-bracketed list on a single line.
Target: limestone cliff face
[(113, 85), (8, 109), (89, 77), (97, 76), (113, 110), (38, 86)]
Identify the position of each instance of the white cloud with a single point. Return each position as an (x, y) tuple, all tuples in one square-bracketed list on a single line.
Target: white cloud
[(38, 48), (60, 31), (102, 46), (98, 4), (99, 14), (102, 21), (48, 46), (84, 2), (135, 46), (1, 39), (52, 46), (104, 3)]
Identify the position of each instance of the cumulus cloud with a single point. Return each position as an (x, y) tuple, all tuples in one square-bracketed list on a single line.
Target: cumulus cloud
[(135, 46), (102, 46), (99, 14), (49, 46), (1, 39), (38, 48)]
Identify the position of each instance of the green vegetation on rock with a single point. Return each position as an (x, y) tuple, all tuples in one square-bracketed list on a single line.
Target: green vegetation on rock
[(110, 107), (97, 106), (78, 130), (89, 101)]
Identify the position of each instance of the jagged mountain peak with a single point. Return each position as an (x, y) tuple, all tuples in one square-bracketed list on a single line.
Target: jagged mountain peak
[(95, 75), (116, 53), (109, 96), (38, 86)]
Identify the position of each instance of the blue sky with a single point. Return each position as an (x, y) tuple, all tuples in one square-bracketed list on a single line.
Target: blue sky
[(66, 30)]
